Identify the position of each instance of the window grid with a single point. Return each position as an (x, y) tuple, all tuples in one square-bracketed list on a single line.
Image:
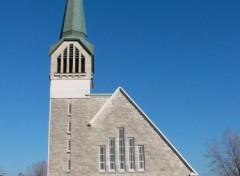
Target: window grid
[(141, 158), (102, 159), (131, 154), (112, 154), (121, 150)]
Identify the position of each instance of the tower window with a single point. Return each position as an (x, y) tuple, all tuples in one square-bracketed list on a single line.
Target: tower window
[(121, 150), (102, 159), (65, 61), (71, 58), (141, 158), (82, 64), (76, 60), (112, 154), (59, 64), (131, 154)]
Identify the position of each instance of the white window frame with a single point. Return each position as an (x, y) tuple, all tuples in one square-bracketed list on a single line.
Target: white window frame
[(121, 146), (112, 156), (141, 158), (131, 154), (102, 158)]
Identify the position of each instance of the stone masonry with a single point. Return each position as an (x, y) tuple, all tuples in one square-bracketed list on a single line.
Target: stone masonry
[(160, 158)]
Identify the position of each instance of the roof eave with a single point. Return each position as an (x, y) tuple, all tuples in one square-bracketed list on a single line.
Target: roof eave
[(87, 46)]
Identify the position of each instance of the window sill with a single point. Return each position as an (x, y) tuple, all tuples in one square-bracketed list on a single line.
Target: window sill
[(70, 75)]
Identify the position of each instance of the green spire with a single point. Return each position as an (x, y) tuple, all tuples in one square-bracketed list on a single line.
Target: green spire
[(74, 20), (74, 27)]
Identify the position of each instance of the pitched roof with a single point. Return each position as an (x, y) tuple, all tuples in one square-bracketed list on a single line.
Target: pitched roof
[(108, 103)]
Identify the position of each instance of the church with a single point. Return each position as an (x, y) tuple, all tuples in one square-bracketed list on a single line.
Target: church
[(99, 134)]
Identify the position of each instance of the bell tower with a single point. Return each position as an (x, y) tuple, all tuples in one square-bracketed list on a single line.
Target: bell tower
[(72, 58)]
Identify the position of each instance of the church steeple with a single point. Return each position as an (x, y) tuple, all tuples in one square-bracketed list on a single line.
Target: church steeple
[(72, 58), (74, 20)]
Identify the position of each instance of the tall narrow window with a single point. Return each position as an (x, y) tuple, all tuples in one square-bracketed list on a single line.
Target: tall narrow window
[(112, 154), (82, 64), (69, 165), (65, 61), (121, 150), (102, 159), (131, 154), (59, 64), (141, 158), (71, 58), (69, 127), (69, 145), (76, 60), (69, 109)]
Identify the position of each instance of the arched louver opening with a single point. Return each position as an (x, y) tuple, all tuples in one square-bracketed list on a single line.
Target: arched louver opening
[(71, 58), (71, 61), (59, 64), (76, 60), (65, 61), (82, 64)]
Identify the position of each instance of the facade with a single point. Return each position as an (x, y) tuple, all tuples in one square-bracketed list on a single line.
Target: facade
[(99, 134)]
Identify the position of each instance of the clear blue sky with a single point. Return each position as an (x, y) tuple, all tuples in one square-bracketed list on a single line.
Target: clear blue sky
[(178, 59)]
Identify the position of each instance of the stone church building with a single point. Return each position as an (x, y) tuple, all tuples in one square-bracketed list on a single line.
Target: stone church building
[(99, 134)]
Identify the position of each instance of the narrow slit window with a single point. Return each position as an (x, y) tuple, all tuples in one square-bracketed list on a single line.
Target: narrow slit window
[(102, 159), (59, 64), (76, 60), (141, 158), (131, 154), (65, 61), (71, 58), (69, 145), (69, 165), (83, 64), (69, 127), (121, 149), (112, 154), (69, 109)]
